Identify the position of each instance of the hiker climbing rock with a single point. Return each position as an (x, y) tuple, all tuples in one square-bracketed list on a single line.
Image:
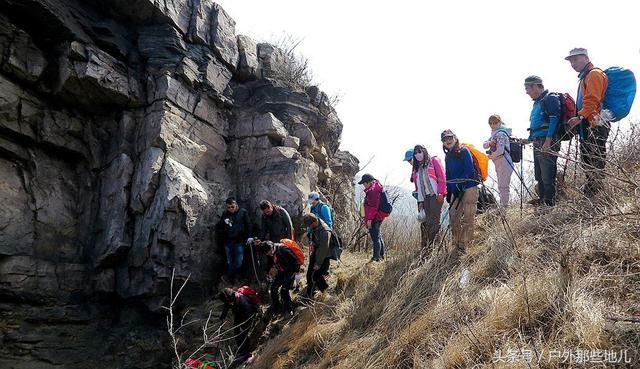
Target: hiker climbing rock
[(275, 223), (319, 259), (376, 208), (462, 190), (544, 120), (431, 185), (234, 228), (243, 303), (499, 152), (285, 266)]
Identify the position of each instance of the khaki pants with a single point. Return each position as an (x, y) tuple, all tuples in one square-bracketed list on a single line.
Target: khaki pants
[(462, 215)]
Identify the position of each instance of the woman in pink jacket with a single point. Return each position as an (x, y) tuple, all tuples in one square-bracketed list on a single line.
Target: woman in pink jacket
[(431, 184)]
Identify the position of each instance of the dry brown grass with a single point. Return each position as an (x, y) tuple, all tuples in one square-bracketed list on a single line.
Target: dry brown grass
[(565, 279)]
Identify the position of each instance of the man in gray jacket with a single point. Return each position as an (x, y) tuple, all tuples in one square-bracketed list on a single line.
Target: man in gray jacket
[(319, 249)]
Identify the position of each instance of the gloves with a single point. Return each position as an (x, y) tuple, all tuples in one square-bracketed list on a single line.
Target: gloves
[(422, 216)]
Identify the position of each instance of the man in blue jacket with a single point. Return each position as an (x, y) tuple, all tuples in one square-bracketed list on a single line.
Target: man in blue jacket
[(320, 209), (545, 117)]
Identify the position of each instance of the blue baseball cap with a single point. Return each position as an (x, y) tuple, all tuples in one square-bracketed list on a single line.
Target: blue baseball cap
[(408, 155)]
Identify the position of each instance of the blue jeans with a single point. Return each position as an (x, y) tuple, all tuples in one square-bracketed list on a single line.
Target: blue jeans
[(378, 243), (546, 168), (234, 252)]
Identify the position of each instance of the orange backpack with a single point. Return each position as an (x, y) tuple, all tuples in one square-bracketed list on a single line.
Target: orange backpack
[(480, 159), (295, 248)]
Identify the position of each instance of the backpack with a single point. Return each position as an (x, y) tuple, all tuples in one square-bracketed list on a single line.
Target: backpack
[(331, 211), (568, 110), (295, 248), (199, 364), (335, 246), (385, 205), (250, 292), (515, 150), (480, 162), (621, 90), (486, 200)]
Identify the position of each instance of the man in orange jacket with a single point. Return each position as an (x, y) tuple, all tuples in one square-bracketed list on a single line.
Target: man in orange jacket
[(594, 126)]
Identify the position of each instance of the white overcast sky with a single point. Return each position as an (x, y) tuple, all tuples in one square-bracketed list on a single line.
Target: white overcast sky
[(406, 70)]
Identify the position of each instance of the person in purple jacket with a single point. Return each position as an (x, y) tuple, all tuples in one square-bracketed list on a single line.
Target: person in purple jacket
[(462, 189)]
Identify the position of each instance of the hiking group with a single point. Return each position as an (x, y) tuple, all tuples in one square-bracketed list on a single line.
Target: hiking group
[(604, 96), (271, 254)]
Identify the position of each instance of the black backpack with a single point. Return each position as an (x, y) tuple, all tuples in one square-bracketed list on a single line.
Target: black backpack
[(335, 246), (515, 150), (385, 206), (486, 200)]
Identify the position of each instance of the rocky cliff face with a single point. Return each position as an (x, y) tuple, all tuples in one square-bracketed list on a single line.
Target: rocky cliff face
[(123, 127)]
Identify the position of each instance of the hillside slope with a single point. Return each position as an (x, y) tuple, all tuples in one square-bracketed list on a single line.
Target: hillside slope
[(551, 288)]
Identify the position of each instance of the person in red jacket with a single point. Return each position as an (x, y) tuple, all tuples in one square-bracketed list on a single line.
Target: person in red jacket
[(373, 217)]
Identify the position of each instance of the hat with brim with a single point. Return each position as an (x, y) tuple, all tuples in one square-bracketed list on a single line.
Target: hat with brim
[(313, 196), (577, 51), (366, 179), (445, 134)]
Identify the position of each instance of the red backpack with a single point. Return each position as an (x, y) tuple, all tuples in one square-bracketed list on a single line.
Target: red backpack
[(568, 111), (250, 292)]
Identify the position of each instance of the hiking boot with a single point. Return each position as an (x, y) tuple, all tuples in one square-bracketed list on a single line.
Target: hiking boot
[(373, 260)]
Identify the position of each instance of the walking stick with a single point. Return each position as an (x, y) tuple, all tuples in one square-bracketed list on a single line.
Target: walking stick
[(521, 178)]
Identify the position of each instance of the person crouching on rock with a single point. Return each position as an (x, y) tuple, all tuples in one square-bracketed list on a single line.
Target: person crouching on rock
[(285, 267), (243, 303), (319, 254)]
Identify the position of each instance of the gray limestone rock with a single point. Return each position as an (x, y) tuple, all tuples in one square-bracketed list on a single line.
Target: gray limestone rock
[(248, 65), (124, 125)]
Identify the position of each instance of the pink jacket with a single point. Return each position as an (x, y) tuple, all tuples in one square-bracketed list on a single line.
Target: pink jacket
[(437, 173), (372, 203)]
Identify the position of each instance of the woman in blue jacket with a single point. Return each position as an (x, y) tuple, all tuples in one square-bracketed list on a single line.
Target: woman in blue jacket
[(462, 190)]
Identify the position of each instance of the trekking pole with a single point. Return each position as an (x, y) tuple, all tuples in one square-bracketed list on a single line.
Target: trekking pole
[(521, 178), (566, 162), (253, 262)]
